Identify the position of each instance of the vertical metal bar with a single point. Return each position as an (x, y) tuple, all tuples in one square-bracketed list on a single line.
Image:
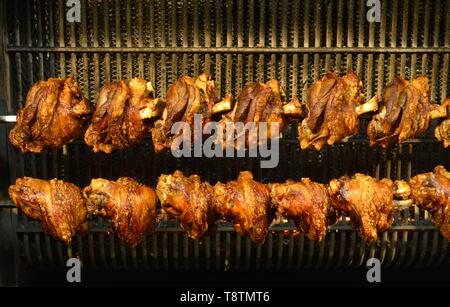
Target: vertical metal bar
[(208, 252), (305, 56), (62, 66), (139, 15), (218, 9), (228, 249), (107, 41), (186, 252), (95, 40), (129, 41), (445, 64), (269, 246), (165, 251), (300, 250), (84, 43), (237, 262), (414, 38), (196, 40), (112, 250), (339, 34), (295, 44), (404, 36), (311, 256), (261, 41), (155, 250), (217, 245), (351, 250), (351, 8), (229, 64), (151, 43), (173, 37), (317, 40), (196, 254), (342, 249), (381, 57), (433, 252), (240, 43), (207, 33), (394, 26), (118, 32), (162, 31), (273, 40), (251, 40), (185, 40), (175, 254), (328, 37), (436, 36)]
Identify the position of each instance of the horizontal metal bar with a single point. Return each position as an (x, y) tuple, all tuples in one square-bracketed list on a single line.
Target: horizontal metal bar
[(255, 50)]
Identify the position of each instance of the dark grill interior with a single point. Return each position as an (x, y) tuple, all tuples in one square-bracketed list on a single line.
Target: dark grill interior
[(237, 42)]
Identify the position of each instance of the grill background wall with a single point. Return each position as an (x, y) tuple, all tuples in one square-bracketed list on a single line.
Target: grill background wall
[(237, 42)]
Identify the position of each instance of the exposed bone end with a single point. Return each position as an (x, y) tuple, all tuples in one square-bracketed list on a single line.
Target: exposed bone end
[(334, 186), (204, 82), (153, 108), (223, 105), (438, 111), (164, 114), (293, 108), (82, 108), (402, 189), (369, 106)]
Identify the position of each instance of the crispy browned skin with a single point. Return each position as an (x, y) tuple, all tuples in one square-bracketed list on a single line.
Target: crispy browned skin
[(367, 201), (383, 124), (58, 205), (332, 111), (307, 203), (118, 122), (247, 204), (130, 206), (188, 200), (405, 113), (185, 98), (54, 113), (442, 132), (260, 103), (431, 191)]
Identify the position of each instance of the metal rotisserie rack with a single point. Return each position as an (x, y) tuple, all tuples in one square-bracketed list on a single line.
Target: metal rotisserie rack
[(237, 42)]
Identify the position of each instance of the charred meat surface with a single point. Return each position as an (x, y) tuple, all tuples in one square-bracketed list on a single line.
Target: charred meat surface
[(307, 203), (55, 112), (405, 112), (334, 104), (245, 203), (367, 201), (184, 99), (119, 118), (188, 200), (58, 205), (130, 206), (260, 103), (431, 191)]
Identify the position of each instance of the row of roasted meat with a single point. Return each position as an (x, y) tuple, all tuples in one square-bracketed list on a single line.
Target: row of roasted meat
[(55, 112), (63, 208)]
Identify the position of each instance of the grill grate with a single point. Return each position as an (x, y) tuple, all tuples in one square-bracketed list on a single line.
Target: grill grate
[(237, 42)]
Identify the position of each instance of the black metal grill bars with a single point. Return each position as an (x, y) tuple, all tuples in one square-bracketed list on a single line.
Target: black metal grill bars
[(237, 42)]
